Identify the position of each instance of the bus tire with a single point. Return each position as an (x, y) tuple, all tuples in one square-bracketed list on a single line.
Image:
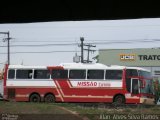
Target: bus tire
[(35, 98), (119, 99), (49, 98)]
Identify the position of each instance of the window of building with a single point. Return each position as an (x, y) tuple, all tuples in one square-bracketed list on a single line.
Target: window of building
[(77, 74), (95, 74), (156, 72), (24, 74), (59, 74), (11, 74), (113, 74), (41, 74)]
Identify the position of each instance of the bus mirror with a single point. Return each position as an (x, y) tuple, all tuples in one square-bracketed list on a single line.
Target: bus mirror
[(156, 85), (142, 83)]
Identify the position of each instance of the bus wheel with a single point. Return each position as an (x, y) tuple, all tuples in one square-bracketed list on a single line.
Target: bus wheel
[(119, 99), (49, 98), (34, 98)]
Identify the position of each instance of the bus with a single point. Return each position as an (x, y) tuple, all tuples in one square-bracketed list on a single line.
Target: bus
[(78, 82)]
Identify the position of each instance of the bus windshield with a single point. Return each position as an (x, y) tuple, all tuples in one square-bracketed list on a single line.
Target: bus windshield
[(148, 87), (145, 74)]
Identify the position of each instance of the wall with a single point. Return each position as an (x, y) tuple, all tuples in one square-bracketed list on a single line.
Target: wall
[(130, 57), (145, 58)]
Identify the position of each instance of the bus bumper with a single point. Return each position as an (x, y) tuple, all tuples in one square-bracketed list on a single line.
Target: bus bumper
[(149, 101)]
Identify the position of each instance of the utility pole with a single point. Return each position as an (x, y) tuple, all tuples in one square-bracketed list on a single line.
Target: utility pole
[(82, 49), (88, 51), (82, 39), (8, 40)]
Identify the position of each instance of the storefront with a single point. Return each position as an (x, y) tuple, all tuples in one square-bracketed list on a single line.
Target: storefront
[(146, 58)]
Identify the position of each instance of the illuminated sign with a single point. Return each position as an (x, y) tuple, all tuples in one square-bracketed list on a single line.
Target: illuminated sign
[(127, 57)]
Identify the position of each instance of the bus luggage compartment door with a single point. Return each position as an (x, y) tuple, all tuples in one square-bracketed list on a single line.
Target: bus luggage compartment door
[(11, 94)]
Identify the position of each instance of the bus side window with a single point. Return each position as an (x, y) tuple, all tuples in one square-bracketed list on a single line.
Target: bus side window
[(41, 74), (60, 74), (11, 74), (77, 74), (24, 74), (95, 74), (113, 74), (131, 72)]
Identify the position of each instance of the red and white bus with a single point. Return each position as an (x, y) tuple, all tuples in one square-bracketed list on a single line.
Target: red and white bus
[(78, 82)]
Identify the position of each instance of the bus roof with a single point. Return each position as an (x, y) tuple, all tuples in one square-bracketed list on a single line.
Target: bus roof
[(83, 66), (97, 66), (26, 67), (78, 66), (138, 68)]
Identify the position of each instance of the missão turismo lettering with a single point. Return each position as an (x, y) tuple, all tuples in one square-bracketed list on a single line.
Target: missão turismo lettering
[(149, 57), (93, 84)]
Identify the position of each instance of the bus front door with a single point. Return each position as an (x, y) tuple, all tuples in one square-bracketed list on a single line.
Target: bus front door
[(135, 86)]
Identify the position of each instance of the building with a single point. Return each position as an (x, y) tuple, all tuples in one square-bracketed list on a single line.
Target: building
[(146, 58)]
